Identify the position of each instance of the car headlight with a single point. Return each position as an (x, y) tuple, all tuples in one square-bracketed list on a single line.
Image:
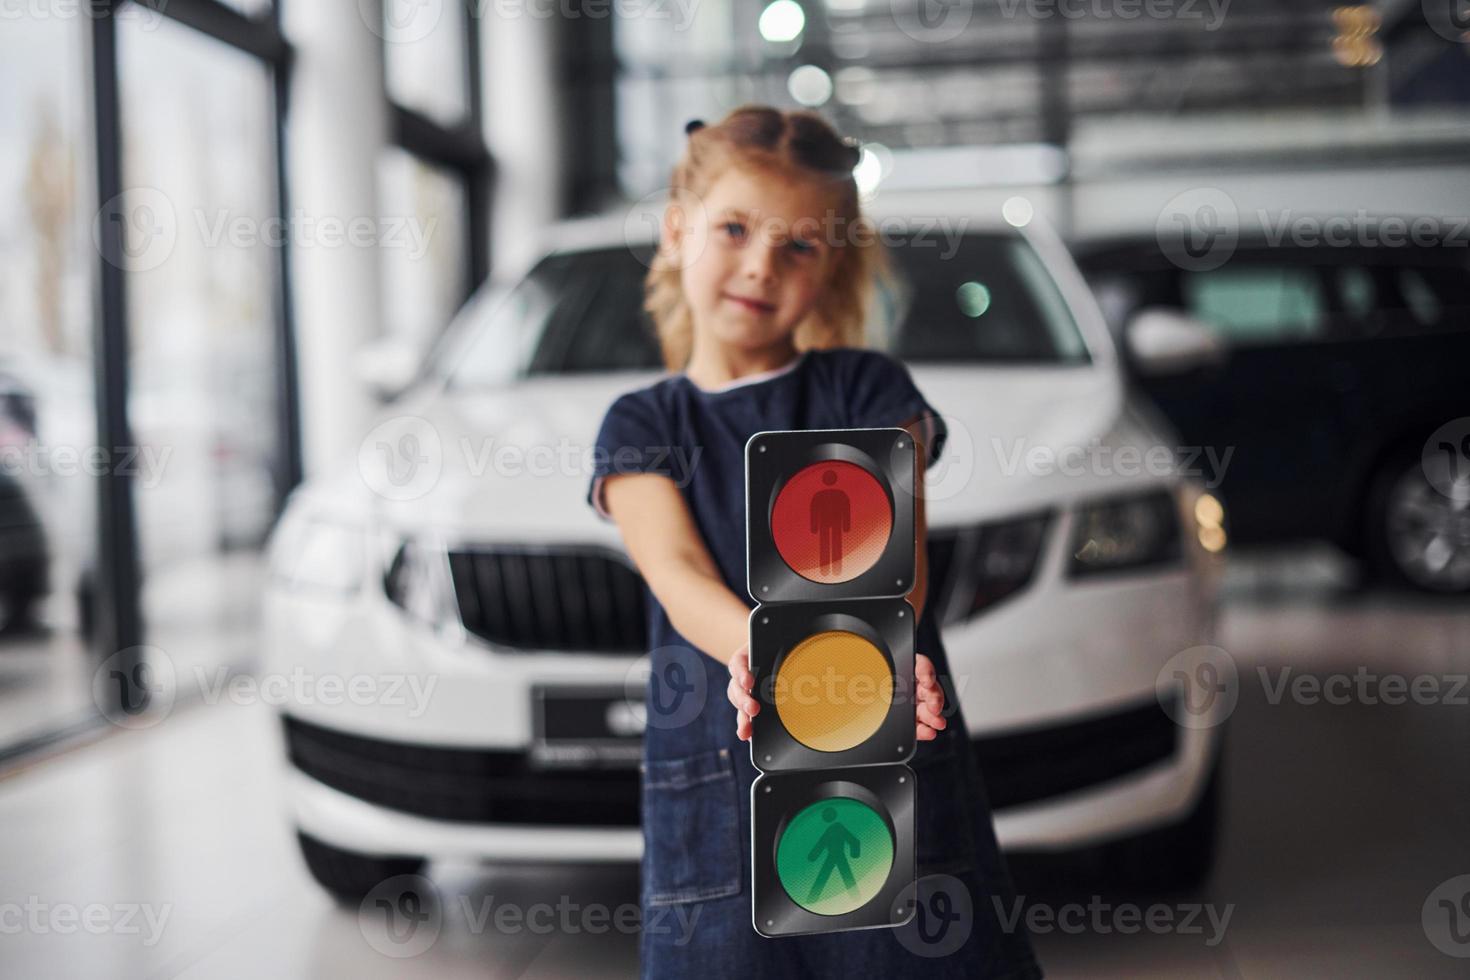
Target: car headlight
[(1209, 522), (1125, 533), (419, 583), (313, 554), (973, 569), (1005, 559)]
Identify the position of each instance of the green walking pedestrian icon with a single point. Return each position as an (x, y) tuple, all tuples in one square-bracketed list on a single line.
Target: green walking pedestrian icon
[(835, 841), (834, 855)]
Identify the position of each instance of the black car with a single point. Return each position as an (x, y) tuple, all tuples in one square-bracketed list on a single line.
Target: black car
[(24, 557), (1339, 364)]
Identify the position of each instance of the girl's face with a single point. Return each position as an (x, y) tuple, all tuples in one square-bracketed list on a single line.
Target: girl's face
[(754, 255)]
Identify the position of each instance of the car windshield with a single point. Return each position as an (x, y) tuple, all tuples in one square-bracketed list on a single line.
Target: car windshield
[(977, 298)]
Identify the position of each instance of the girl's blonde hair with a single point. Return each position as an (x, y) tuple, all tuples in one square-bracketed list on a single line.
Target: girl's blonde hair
[(797, 145)]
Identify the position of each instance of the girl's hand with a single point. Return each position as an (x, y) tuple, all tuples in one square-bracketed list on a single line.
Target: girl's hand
[(742, 681), (929, 718)]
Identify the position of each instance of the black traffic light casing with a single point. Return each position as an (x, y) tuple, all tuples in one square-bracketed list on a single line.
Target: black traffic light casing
[(776, 797), (776, 630), (857, 595), (772, 457)]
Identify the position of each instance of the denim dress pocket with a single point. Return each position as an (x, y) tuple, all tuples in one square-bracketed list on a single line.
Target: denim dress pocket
[(945, 821), (691, 828)]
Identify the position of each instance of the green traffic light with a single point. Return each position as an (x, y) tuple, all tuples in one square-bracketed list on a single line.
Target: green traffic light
[(834, 856)]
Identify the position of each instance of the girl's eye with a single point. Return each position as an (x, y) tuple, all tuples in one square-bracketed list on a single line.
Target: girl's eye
[(803, 248), (734, 229)]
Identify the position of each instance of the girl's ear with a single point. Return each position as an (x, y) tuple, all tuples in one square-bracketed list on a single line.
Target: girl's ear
[(671, 237)]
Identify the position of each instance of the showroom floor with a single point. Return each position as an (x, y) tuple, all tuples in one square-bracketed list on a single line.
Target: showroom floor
[(164, 853), (202, 612)]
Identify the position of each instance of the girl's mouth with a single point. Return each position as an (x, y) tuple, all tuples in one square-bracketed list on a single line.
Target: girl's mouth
[(751, 304)]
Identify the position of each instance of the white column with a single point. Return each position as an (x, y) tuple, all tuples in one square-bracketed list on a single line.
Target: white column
[(522, 110), (338, 124)]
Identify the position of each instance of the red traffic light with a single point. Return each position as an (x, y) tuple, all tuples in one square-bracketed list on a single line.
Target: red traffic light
[(831, 521)]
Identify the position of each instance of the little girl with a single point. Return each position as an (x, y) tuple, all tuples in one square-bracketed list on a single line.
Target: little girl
[(759, 291)]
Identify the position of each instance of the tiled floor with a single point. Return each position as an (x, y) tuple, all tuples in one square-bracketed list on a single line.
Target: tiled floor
[(1340, 821)]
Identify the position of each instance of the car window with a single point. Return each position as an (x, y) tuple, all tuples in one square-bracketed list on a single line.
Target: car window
[(1397, 297), (1257, 304), (1357, 293), (598, 322), (1419, 297), (1437, 295), (976, 298), (985, 298), (503, 337)]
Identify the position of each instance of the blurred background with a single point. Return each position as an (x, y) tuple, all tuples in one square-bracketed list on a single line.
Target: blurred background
[(236, 234)]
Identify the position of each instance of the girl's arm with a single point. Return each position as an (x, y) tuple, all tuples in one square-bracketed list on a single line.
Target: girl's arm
[(663, 541), (661, 537)]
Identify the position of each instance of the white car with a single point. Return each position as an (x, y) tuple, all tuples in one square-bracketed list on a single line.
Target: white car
[(466, 636)]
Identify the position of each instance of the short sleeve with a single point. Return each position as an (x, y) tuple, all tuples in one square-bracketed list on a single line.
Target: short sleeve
[(881, 394), (633, 438)]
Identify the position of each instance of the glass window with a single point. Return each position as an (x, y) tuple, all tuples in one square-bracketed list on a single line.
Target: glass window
[(1435, 296), (49, 458), (424, 54), (1396, 297), (576, 312), (597, 321), (423, 238), (495, 334), (1257, 304), (1356, 291), (981, 298), (991, 300), (1419, 297), (671, 70), (199, 152)]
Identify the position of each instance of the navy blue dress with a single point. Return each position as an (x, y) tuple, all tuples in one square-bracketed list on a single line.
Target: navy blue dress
[(695, 872)]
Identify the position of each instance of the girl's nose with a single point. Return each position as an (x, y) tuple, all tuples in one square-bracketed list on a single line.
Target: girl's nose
[(760, 262)]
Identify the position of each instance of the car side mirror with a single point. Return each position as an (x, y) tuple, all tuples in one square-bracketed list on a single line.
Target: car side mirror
[(1162, 340), (387, 366)]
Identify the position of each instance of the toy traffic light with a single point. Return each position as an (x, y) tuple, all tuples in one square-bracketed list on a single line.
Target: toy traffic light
[(830, 558)]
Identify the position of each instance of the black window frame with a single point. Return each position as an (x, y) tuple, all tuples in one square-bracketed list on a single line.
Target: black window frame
[(118, 623), (458, 149)]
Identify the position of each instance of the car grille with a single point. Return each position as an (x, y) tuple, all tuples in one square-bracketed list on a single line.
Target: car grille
[(570, 599), (587, 599)]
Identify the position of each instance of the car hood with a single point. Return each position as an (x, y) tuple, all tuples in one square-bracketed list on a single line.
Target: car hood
[(513, 463)]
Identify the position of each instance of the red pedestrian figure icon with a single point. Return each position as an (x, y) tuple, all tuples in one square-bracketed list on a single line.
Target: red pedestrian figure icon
[(831, 521), (831, 514)]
